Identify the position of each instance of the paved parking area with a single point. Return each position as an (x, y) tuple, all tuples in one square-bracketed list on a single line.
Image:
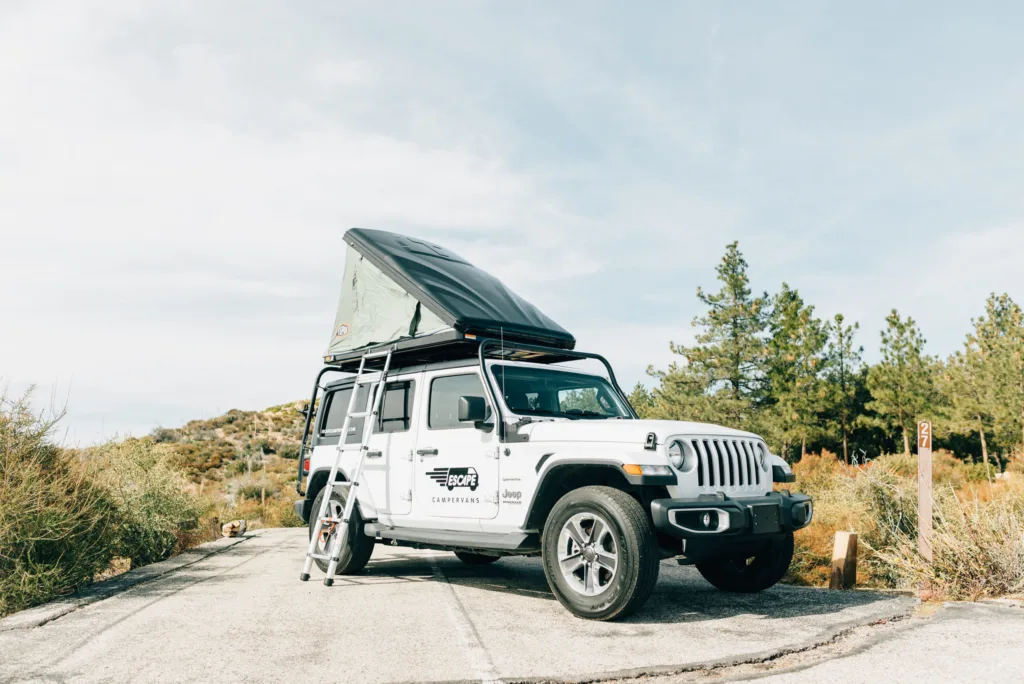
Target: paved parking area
[(413, 616)]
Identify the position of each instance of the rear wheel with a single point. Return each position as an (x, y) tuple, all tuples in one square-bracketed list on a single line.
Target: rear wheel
[(358, 547), (750, 574), (475, 558), (600, 553)]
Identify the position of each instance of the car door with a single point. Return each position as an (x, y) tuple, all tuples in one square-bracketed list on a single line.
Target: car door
[(391, 447), (456, 463)]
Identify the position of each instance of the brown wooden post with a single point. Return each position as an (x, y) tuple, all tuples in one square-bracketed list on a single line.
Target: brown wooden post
[(924, 489), (844, 561)]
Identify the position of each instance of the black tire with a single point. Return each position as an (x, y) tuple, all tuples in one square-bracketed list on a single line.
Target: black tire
[(475, 558), (630, 536), (748, 575), (358, 547)]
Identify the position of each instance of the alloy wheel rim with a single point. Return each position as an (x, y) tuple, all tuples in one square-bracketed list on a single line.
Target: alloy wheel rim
[(334, 509), (588, 555)]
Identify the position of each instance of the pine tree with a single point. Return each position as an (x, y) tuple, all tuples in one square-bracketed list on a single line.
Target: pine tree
[(967, 397), (641, 400), (995, 354), (793, 370), (722, 379), (843, 368), (901, 384)]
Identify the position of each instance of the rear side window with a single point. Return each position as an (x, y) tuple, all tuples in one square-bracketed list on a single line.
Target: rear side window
[(335, 409), (444, 399), (396, 414)]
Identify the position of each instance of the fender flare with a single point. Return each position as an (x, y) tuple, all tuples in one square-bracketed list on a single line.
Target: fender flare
[(552, 474)]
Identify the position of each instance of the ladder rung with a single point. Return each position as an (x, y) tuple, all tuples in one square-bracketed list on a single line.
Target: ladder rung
[(320, 556), (369, 378), (359, 414), (377, 354), (328, 519)]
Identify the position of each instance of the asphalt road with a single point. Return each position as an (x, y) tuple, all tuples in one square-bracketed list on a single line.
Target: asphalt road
[(413, 616)]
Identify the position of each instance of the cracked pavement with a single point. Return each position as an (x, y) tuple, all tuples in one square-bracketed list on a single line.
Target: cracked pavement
[(417, 616)]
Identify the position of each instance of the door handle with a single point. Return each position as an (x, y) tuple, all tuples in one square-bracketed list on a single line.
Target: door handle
[(427, 452), (374, 454)]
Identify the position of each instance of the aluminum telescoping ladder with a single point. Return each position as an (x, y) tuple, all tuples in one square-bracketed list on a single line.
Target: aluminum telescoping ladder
[(325, 522)]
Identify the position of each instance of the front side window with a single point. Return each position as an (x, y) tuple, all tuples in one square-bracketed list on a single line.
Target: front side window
[(541, 391), (444, 399)]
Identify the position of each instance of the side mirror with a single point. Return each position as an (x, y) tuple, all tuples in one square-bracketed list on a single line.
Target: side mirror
[(472, 409)]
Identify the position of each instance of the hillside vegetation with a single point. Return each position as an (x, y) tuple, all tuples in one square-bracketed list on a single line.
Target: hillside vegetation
[(69, 517), (244, 462)]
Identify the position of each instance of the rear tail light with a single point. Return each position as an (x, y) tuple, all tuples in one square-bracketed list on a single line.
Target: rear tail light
[(305, 465)]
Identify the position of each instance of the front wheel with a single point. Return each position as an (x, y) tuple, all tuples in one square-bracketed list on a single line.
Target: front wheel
[(747, 575), (600, 553), (358, 547)]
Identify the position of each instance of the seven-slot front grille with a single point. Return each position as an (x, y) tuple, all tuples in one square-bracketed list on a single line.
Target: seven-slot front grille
[(726, 463)]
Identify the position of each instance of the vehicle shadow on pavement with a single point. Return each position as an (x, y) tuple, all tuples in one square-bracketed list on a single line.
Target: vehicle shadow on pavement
[(680, 596)]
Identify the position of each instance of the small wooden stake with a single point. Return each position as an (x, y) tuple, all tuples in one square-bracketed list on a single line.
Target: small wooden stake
[(844, 561)]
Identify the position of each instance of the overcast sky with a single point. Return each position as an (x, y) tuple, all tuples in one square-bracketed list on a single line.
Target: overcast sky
[(175, 178)]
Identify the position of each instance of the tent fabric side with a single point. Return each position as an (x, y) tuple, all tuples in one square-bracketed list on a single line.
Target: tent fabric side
[(374, 309)]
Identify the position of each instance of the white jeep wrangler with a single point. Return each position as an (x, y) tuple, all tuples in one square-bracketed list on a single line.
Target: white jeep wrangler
[(487, 445), (489, 457)]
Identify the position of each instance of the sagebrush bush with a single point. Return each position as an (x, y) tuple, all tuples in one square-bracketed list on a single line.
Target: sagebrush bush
[(978, 528), (152, 496), (65, 515), (58, 527)]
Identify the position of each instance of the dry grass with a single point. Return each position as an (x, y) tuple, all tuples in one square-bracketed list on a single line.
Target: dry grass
[(978, 528)]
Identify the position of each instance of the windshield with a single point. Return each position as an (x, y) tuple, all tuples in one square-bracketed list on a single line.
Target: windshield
[(539, 391)]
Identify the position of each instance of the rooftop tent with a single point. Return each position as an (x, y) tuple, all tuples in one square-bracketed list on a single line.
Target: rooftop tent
[(401, 288)]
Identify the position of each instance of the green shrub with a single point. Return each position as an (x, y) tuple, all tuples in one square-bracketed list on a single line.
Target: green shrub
[(58, 528), (152, 497)]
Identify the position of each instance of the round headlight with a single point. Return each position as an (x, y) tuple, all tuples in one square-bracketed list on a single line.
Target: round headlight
[(762, 457), (675, 454)]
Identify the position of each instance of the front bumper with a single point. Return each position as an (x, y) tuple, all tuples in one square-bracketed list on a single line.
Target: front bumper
[(717, 516)]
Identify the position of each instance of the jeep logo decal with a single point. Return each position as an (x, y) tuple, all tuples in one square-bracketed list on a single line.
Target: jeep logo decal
[(454, 477)]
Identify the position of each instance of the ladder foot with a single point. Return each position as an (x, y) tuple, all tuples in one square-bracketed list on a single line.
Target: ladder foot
[(304, 576), (328, 581)]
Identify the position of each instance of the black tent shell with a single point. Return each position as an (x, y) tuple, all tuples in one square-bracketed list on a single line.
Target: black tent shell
[(468, 299)]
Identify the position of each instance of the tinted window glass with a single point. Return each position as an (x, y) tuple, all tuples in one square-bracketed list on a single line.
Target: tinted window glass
[(337, 405), (544, 391), (444, 399), (396, 414)]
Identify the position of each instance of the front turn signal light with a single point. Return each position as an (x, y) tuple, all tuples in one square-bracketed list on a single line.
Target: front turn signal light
[(634, 469)]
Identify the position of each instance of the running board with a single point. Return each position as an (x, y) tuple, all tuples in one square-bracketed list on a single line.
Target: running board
[(513, 541)]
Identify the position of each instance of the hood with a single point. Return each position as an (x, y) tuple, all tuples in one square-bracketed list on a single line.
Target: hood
[(623, 431)]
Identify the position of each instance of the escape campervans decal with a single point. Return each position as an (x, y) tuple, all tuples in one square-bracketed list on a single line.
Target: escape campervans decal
[(455, 477)]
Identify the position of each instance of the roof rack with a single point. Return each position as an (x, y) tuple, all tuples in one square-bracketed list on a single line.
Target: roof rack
[(451, 345)]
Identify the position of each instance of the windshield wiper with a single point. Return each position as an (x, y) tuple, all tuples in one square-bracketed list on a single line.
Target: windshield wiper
[(545, 412), (588, 414)]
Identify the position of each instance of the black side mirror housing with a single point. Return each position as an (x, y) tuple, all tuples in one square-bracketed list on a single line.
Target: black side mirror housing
[(472, 409)]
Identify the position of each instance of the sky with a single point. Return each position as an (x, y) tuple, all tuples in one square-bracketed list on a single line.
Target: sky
[(176, 178)]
